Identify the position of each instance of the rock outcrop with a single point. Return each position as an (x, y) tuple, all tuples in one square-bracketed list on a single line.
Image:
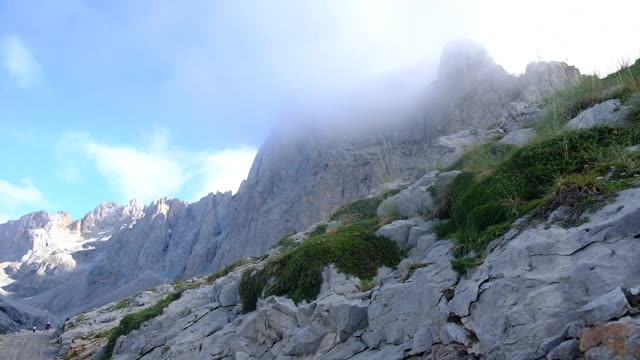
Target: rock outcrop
[(16, 317)]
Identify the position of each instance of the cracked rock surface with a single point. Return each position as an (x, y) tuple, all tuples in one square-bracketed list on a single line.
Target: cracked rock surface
[(543, 292)]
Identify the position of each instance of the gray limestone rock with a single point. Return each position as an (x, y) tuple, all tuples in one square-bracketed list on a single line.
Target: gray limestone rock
[(519, 301), (518, 137), (399, 230), (608, 113), (567, 350), (605, 307)]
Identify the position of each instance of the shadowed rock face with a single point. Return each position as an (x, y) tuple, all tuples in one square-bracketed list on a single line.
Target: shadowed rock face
[(14, 317), (298, 178)]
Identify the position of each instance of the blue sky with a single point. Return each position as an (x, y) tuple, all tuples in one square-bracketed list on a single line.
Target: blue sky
[(113, 100)]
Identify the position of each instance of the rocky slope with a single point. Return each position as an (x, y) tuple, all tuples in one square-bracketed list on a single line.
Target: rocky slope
[(560, 283), (542, 291), (298, 178)]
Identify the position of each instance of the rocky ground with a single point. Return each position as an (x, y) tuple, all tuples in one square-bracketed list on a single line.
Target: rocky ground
[(544, 291), (25, 345)]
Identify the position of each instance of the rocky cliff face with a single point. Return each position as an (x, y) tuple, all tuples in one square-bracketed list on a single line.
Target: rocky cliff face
[(298, 178)]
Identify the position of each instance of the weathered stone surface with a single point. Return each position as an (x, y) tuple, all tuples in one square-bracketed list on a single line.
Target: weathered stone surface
[(449, 352), (543, 78), (399, 230), (614, 340), (608, 113), (519, 301), (605, 307), (397, 311), (519, 115), (567, 350)]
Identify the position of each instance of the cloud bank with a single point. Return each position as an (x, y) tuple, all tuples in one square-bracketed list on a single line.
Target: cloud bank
[(157, 168)]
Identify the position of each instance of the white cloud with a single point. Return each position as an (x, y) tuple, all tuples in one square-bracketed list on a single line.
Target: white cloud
[(156, 168), (18, 197), (136, 173), (226, 169), (19, 62)]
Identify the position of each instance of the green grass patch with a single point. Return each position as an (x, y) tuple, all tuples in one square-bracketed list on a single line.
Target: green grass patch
[(361, 209), (481, 208), (184, 285), (318, 230), (567, 103), (133, 321), (227, 270), (483, 159), (367, 284), (124, 303), (287, 243), (353, 249), (627, 75), (462, 265)]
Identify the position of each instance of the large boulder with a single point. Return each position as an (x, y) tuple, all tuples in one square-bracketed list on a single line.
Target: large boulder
[(608, 113), (399, 230), (605, 307)]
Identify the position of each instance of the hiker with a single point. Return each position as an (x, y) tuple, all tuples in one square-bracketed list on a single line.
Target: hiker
[(34, 328), (47, 327)]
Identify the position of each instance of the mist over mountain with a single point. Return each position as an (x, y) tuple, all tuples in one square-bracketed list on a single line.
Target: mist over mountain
[(413, 193), (303, 172)]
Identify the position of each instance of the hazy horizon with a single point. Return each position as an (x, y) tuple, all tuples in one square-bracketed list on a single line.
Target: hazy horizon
[(120, 100)]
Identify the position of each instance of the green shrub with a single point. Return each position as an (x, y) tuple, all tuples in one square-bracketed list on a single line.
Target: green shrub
[(566, 103), (627, 75), (483, 159), (318, 230), (443, 199), (353, 249), (462, 265), (227, 270), (389, 212), (367, 284), (526, 178), (184, 285), (133, 321), (287, 243)]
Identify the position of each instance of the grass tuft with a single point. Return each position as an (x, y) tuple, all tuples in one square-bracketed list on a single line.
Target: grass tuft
[(133, 321), (482, 207), (361, 209), (353, 249), (124, 303), (319, 230)]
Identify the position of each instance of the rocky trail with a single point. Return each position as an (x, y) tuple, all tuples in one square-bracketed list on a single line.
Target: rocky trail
[(25, 345)]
